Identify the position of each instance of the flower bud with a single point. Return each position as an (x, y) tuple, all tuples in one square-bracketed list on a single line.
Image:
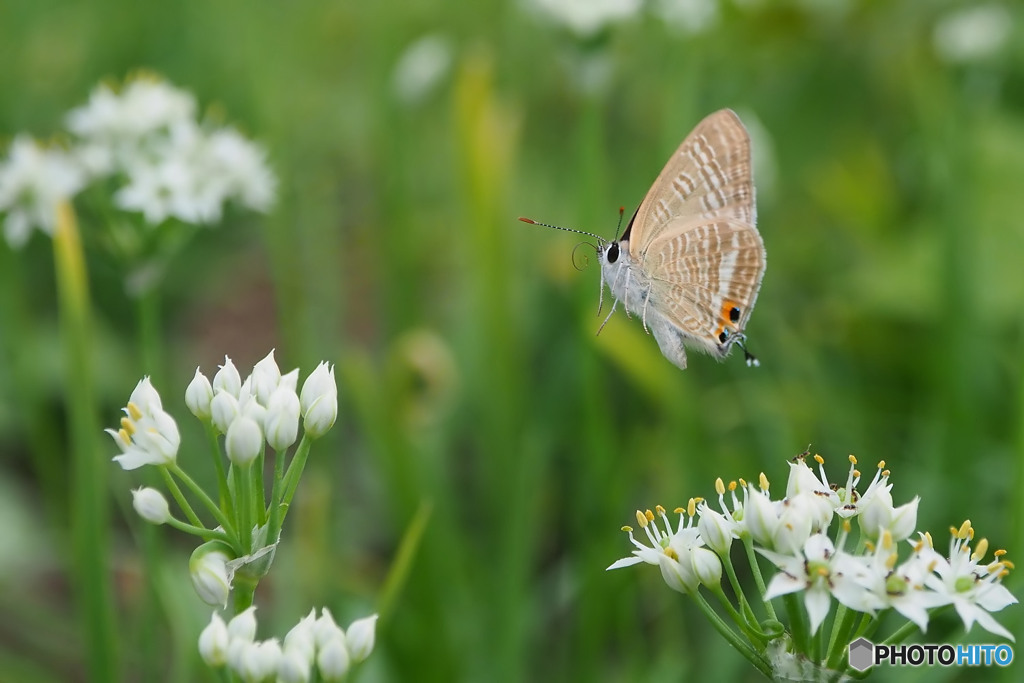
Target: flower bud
[(265, 378), (295, 665), (209, 572), (244, 441), (227, 378), (707, 567), (326, 629), (360, 636), (333, 659), (319, 401), (282, 418), (213, 642), (715, 529), (223, 410), (301, 638), (243, 625), (151, 505), (199, 396)]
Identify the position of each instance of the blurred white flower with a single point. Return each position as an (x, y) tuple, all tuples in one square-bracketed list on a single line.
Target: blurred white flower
[(282, 418), (148, 435), (243, 625), (244, 441), (145, 104), (972, 33), (689, 17), (333, 659), (674, 551), (33, 180), (199, 396), (213, 642), (586, 17), (421, 67), (173, 166)]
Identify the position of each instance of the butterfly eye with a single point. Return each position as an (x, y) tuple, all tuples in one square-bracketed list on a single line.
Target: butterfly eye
[(723, 336), (734, 314), (613, 252)]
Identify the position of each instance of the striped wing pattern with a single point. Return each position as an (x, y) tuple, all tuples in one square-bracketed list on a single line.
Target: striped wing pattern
[(694, 235)]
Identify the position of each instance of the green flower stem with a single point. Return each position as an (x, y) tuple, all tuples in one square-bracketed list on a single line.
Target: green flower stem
[(202, 532), (274, 513), (259, 501), (750, 630), (294, 472), (179, 497), (754, 657), (243, 588), (223, 519), (841, 631), (755, 569), (243, 509), (218, 463), (797, 622), (89, 510), (737, 588)]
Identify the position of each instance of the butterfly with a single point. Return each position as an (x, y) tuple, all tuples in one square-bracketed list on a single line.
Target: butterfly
[(691, 260)]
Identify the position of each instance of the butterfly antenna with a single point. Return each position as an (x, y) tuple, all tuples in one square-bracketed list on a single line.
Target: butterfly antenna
[(618, 228), (600, 239), (752, 361)]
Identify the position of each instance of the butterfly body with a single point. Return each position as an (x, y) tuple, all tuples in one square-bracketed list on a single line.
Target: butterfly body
[(690, 262)]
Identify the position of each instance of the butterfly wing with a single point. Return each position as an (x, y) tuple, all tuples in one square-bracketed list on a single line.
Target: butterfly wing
[(708, 177), (705, 276)]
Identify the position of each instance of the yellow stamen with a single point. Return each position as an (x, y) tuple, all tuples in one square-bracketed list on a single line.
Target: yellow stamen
[(123, 433), (133, 411), (762, 481), (672, 553), (847, 527), (887, 539), (820, 460), (965, 529), (856, 473), (679, 511), (853, 459), (626, 528), (719, 486), (890, 561), (885, 473), (881, 464), (1000, 552), (649, 515), (1009, 564), (641, 519), (869, 545), (691, 507), (127, 425), (980, 550), (732, 484), (658, 510)]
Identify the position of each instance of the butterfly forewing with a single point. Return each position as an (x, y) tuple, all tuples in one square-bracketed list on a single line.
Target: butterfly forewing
[(708, 177)]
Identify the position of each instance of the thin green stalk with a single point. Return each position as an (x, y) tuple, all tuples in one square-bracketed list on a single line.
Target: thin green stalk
[(737, 588), (275, 518), (201, 531), (90, 517), (218, 463), (259, 500), (222, 518), (294, 472), (841, 629), (755, 569), (744, 648), (797, 622), (179, 497), (750, 630), (243, 507)]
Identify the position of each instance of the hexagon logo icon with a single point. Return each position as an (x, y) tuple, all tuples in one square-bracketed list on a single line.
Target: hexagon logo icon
[(862, 654)]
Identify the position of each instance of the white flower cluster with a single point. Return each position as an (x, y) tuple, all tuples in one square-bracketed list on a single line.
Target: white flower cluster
[(793, 533), (165, 162), (313, 641), (264, 405)]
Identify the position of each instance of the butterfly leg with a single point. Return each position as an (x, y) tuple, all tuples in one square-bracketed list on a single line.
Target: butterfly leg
[(610, 313), (643, 315), (625, 291)]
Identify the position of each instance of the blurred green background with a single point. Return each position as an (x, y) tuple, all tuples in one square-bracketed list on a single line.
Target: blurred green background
[(889, 147)]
